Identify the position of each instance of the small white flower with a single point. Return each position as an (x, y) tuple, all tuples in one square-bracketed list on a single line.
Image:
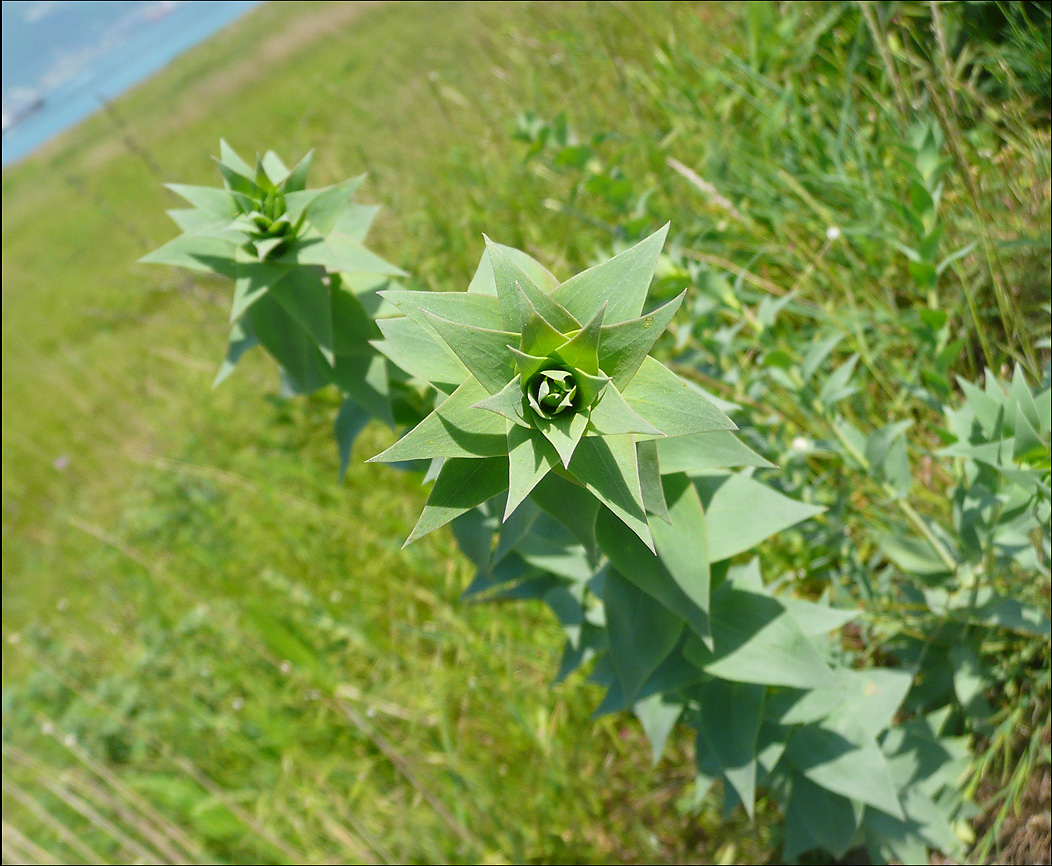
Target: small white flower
[(237, 704), (286, 667), (832, 233), (801, 444)]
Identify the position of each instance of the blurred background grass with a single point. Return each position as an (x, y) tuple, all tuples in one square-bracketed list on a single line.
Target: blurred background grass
[(213, 650)]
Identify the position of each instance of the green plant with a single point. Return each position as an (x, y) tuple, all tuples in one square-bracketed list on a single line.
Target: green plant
[(580, 471)]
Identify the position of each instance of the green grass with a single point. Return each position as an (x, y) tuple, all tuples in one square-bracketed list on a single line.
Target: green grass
[(167, 547)]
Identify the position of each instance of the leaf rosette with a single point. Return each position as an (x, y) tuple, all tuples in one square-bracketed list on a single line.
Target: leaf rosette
[(539, 376), (304, 284)]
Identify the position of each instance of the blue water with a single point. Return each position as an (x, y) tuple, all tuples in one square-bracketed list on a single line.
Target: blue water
[(62, 59)]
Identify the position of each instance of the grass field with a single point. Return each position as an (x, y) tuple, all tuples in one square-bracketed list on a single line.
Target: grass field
[(215, 651)]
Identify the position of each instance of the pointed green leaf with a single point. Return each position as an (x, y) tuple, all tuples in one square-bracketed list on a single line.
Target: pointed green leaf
[(483, 351), (647, 571), (297, 179), (539, 336), (454, 429), (582, 352), (421, 354), (669, 403), (622, 347), (462, 484), (682, 544), (836, 764), (755, 640), (254, 279), (241, 340), (700, 452), (650, 479), (364, 378), (354, 222), (337, 253), (612, 416), (228, 156), (729, 722), (621, 282), (658, 714), (570, 504), (507, 403), (831, 820), (607, 467), (531, 458), (564, 432), (482, 311), (290, 345), (350, 421), (528, 365), (352, 327), (642, 632), (197, 252), (322, 207), (742, 512), (214, 203), (306, 299), (274, 168), (483, 281), (512, 282)]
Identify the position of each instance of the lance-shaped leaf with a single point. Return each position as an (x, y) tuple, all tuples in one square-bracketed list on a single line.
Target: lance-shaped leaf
[(306, 299), (582, 351), (462, 484), (570, 504), (350, 421), (241, 340), (742, 512), (482, 311), (512, 282), (422, 354), (229, 158), (729, 723), (254, 280), (297, 178), (197, 252), (612, 416), (699, 452), (539, 336), (669, 403), (507, 403), (483, 351), (290, 345), (650, 479), (336, 254), (454, 429), (531, 457), (322, 207), (682, 544), (756, 640), (816, 817), (564, 431), (365, 379), (215, 203), (352, 327), (622, 347), (276, 171), (621, 282), (836, 764), (647, 571), (354, 222), (607, 467), (642, 632)]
